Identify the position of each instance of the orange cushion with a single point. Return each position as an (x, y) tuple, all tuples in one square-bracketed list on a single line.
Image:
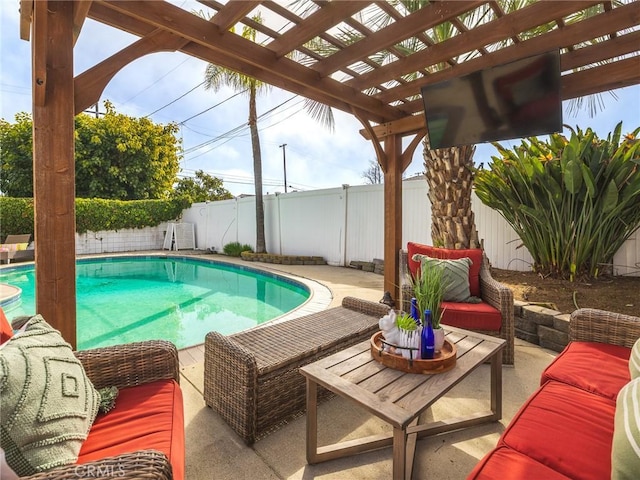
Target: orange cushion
[(6, 332), (472, 316), (565, 428), (599, 368), (507, 464), (148, 416), (475, 254)]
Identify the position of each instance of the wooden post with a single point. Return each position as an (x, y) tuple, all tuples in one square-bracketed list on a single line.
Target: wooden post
[(392, 214), (54, 166)]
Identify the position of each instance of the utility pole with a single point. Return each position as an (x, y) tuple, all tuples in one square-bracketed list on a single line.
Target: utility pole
[(284, 162)]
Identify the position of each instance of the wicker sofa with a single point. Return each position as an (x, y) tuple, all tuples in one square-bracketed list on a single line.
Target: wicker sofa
[(251, 378), (566, 428), (143, 435)]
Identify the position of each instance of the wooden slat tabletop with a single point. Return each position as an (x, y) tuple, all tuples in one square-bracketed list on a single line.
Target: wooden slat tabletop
[(393, 395)]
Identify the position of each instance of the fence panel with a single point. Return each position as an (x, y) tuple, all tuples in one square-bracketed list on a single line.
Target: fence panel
[(347, 223)]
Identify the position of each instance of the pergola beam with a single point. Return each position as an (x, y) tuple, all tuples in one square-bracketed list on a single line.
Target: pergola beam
[(626, 17), (235, 49), (315, 24), (414, 23), (486, 34)]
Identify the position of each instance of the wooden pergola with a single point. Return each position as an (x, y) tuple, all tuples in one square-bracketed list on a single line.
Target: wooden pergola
[(599, 52)]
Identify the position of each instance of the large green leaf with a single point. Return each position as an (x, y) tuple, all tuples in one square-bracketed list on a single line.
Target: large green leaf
[(573, 176), (610, 199)]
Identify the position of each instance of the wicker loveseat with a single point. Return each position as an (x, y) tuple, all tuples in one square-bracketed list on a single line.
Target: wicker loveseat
[(142, 436), (497, 299), (251, 378)]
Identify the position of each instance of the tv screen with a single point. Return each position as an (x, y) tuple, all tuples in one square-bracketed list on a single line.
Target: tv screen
[(514, 100)]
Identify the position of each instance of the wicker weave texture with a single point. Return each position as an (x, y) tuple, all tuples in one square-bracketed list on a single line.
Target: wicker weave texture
[(143, 464), (131, 364), (592, 325), (492, 292), (251, 378)]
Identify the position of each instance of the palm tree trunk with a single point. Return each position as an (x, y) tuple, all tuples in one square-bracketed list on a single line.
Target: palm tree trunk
[(257, 170), (450, 179)]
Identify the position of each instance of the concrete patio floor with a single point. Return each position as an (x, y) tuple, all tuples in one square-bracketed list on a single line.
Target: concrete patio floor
[(214, 451)]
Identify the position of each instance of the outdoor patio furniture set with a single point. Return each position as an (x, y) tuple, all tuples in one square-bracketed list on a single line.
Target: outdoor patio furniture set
[(259, 379)]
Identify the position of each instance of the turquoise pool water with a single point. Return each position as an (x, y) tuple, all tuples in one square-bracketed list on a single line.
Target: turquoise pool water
[(128, 299)]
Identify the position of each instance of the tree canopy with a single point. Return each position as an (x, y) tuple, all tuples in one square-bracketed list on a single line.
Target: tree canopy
[(201, 188), (117, 157)]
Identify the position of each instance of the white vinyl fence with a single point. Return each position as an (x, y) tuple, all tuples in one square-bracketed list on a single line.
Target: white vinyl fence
[(347, 223)]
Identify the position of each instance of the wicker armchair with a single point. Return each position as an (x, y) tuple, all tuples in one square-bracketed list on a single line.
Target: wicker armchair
[(493, 292), (124, 366), (592, 325)]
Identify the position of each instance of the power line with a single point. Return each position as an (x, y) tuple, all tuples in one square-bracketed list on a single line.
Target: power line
[(174, 101), (210, 108)]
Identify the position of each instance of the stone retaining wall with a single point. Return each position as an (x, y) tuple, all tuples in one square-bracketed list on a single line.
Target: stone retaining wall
[(542, 326), (283, 259)]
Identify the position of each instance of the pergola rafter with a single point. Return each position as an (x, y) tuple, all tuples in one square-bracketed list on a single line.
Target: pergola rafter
[(365, 72)]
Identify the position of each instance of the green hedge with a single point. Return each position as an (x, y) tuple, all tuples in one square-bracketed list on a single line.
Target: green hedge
[(16, 214)]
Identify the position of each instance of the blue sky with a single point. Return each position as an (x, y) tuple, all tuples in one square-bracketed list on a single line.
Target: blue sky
[(213, 124)]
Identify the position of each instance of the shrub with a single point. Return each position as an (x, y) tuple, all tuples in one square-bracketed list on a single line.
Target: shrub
[(572, 202), (94, 214), (234, 249)]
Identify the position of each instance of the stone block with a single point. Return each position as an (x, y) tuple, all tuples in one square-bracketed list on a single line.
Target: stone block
[(551, 345), (561, 322), (539, 315), (552, 336), (367, 267), (526, 325), (527, 337)]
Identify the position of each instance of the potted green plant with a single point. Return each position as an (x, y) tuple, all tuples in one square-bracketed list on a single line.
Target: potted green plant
[(409, 336), (429, 288)]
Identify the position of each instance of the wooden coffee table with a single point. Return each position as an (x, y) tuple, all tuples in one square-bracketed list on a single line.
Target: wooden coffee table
[(399, 398)]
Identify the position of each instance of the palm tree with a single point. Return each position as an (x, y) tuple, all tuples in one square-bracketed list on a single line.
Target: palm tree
[(217, 77)]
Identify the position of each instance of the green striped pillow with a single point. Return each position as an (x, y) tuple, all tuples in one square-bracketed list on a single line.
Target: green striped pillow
[(634, 360), (625, 452), (455, 276)]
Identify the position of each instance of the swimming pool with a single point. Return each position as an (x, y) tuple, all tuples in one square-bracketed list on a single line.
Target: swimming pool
[(126, 299)]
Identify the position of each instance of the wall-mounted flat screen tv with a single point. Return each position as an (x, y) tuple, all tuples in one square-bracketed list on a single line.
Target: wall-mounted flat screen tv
[(514, 100)]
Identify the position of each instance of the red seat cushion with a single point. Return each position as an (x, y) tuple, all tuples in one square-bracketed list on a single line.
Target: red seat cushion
[(565, 428), (475, 254), (6, 332), (471, 316), (595, 367), (506, 464), (148, 416)]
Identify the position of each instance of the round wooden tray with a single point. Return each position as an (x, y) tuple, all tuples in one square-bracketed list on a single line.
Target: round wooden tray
[(444, 360)]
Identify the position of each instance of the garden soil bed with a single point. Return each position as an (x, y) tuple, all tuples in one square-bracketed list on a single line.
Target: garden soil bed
[(615, 294)]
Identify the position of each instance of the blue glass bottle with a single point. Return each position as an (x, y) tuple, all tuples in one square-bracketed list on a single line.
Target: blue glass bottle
[(415, 314), (428, 338)]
